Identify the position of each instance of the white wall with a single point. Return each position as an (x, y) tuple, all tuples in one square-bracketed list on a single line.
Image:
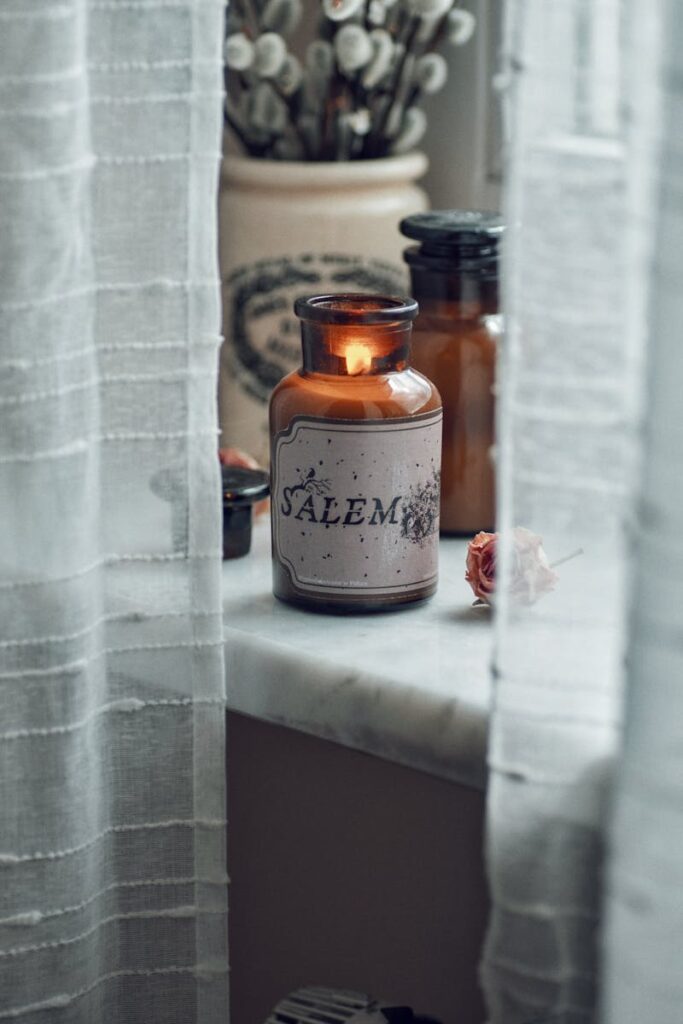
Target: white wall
[(463, 140)]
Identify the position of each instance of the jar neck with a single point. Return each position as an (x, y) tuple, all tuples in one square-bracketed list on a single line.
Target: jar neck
[(353, 352), (457, 294)]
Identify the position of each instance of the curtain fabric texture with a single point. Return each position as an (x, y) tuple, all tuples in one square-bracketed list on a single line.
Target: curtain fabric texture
[(592, 291), (644, 907), (112, 830)]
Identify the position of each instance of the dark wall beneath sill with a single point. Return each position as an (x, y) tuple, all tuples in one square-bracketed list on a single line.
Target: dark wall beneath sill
[(349, 871)]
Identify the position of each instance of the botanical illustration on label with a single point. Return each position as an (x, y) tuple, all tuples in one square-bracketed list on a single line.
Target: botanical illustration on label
[(355, 503)]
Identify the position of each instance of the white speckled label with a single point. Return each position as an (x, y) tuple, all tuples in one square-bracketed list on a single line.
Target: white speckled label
[(356, 503)]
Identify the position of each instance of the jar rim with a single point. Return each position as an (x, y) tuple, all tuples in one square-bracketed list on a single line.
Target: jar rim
[(355, 308), (321, 176)]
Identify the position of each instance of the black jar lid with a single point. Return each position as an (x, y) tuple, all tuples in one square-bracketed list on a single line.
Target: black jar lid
[(242, 486), (452, 239)]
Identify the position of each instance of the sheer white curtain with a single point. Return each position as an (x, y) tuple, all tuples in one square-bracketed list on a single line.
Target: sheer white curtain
[(112, 860), (643, 980), (583, 109)]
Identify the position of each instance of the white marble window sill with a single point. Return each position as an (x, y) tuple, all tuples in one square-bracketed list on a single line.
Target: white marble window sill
[(410, 686)]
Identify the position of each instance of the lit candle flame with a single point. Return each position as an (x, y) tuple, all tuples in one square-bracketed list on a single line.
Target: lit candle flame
[(358, 358)]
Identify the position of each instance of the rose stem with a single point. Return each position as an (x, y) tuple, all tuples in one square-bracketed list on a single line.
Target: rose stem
[(567, 558)]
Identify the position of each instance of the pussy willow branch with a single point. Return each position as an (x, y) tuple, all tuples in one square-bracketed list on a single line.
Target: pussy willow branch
[(292, 105), (343, 94), (252, 17), (375, 138)]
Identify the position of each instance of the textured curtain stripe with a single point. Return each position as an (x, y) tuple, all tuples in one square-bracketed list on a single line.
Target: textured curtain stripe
[(577, 199), (642, 977), (112, 752)]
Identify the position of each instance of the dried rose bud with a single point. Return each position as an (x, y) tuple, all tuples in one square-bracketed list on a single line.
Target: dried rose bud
[(531, 575), (530, 578), (481, 565), (237, 457)]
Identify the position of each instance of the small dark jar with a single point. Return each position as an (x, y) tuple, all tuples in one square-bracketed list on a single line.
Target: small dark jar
[(242, 489)]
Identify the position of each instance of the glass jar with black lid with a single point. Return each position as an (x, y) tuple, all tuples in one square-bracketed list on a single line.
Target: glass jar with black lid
[(454, 272)]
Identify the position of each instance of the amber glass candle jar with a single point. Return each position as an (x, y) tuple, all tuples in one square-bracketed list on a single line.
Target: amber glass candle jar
[(454, 275), (355, 456)]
